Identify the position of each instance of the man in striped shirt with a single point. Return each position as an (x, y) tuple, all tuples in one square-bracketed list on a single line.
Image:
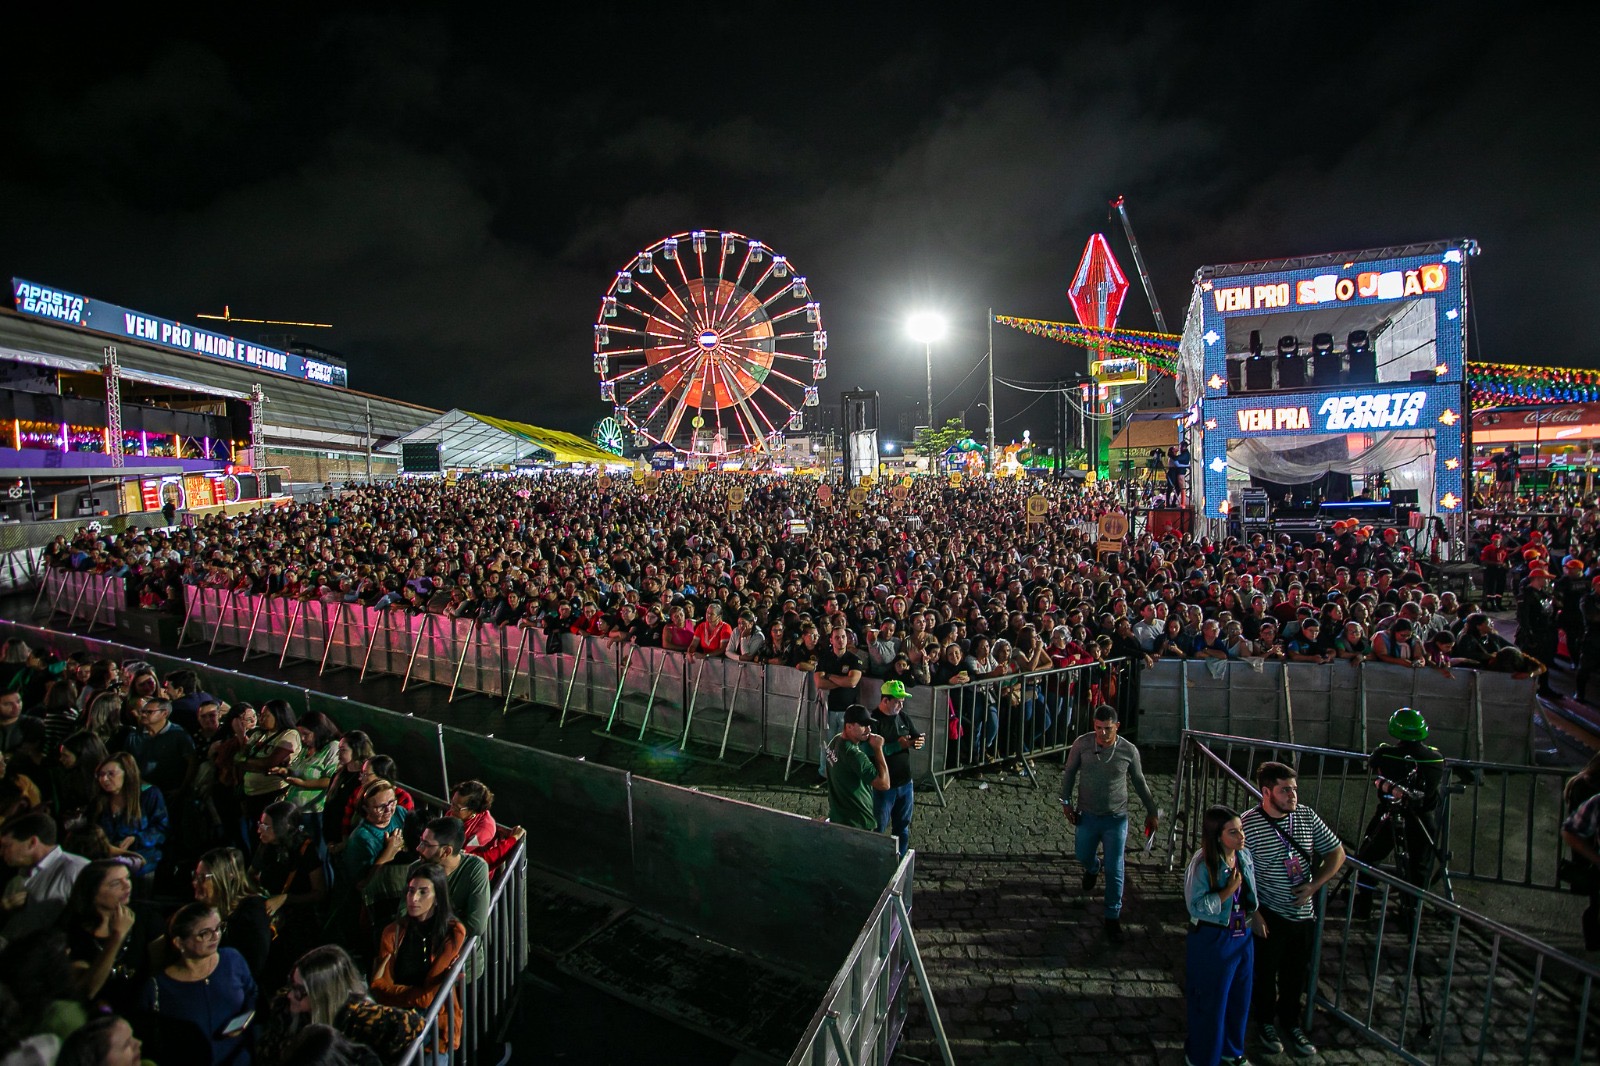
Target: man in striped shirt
[(1295, 855)]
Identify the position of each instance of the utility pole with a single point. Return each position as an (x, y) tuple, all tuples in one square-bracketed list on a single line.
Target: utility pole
[(993, 457), (369, 442)]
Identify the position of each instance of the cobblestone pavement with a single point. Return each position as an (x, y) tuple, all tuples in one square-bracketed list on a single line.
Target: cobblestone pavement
[(1021, 967)]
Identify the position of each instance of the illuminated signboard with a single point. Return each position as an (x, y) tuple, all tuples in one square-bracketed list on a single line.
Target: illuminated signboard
[(1330, 297), (1120, 371), (1352, 410), (55, 305)]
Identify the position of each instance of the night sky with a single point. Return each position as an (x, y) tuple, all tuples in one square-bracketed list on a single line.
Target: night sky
[(455, 192)]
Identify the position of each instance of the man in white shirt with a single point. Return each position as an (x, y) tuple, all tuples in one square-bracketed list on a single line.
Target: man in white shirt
[(28, 843)]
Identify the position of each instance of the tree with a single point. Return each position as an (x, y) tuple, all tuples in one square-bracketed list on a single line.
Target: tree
[(933, 443)]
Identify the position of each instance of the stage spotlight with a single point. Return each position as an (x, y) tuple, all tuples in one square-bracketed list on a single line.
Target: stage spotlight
[(1291, 368), (1363, 360), (1324, 361), (1257, 368)]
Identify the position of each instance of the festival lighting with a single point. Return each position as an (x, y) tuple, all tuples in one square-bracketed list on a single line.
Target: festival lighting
[(927, 327)]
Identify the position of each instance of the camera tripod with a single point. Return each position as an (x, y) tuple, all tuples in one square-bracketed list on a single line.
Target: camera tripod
[(1396, 819)]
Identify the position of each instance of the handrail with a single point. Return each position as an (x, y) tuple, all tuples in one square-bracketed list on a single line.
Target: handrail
[(1349, 989), (428, 1039)]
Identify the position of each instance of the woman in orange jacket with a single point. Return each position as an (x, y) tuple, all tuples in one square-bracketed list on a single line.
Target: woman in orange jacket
[(417, 951)]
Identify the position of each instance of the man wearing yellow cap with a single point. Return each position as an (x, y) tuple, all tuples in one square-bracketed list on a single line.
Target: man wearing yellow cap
[(889, 721)]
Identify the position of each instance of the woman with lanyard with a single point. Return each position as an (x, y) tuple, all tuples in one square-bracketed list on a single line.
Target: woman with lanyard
[(1220, 887), (354, 749)]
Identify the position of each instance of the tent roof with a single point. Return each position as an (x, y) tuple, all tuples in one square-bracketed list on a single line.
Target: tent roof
[(474, 440)]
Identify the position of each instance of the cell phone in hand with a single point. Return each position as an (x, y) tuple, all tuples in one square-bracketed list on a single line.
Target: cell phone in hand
[(239, 1024)]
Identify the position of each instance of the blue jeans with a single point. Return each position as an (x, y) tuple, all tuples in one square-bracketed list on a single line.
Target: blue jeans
[(1111, 830), (893, 805), (835, 726)]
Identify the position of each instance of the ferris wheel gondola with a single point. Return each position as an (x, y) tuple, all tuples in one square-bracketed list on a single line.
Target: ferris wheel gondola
[(710, 342)]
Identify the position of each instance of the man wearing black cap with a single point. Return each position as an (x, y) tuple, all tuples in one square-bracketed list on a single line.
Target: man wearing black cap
[(856, 770)]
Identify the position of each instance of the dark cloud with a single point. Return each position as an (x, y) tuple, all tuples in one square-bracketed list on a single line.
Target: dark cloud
[(455, 196)]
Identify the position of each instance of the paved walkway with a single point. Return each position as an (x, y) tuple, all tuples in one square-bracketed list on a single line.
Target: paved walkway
[(1021, 966)]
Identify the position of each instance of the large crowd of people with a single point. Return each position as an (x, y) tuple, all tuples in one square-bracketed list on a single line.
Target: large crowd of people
[(905, 575), (935, 584), (219, 884)]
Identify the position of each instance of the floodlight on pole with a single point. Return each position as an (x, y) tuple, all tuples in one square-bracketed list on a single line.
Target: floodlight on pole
[(927, 327)]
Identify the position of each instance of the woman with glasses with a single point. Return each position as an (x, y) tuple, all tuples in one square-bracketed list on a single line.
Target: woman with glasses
[(326, 988), (417, 951), (205, 994), (222, 880), (133, 815)]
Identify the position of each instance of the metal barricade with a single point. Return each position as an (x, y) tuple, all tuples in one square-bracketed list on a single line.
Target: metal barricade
[(1426, 978), (860, 1019), (1497, 822), (1472, 712), (1017, 718), (484, 977)]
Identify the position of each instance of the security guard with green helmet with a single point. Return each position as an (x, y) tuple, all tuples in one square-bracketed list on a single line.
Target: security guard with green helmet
[(1408, 775)]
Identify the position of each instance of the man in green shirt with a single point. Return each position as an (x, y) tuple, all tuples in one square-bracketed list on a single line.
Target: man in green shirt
[(466, 879), (856, 769)]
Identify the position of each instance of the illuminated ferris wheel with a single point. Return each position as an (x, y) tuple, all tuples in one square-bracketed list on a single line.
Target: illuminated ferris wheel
[(710, 342)]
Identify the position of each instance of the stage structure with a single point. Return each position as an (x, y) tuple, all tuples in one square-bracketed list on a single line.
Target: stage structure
[(1330, 381)]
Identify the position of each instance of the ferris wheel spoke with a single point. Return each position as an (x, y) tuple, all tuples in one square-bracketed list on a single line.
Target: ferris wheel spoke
[(612, 353), (781, 315), (680, 316), (749, 411), (683, 405), (761, 307), (730, 307)]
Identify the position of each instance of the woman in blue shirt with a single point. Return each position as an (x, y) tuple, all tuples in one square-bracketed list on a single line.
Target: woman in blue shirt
[(1220, 887), (205, 993), (134, 816)]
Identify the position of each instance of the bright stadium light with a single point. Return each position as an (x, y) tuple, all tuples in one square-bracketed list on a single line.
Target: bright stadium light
[(927, 327)]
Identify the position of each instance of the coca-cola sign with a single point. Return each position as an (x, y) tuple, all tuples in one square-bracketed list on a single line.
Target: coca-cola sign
[(1568, 415)]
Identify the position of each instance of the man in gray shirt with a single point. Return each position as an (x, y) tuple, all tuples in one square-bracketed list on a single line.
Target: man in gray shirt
[(1107, 763), (28, 844)]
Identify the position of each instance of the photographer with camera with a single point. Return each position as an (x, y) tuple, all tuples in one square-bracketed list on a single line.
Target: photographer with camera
[(1408, 776)]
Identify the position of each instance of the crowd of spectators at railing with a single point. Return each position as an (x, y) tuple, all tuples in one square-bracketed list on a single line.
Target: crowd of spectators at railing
[(768, 579), (220, 884)]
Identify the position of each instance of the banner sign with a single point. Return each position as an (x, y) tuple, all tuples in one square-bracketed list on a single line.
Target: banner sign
[(56, 305), (1329, 297), (1356, 409)]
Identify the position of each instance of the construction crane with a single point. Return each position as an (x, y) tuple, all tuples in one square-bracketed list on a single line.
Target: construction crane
[(1120, 207), (228, 316)]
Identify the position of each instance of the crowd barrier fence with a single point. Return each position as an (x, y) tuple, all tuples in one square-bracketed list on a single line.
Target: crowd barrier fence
[(775, 886), (1474, 713), (733, 709), (83, 597), (484, 977), (1496, 822), (1427, 979)]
